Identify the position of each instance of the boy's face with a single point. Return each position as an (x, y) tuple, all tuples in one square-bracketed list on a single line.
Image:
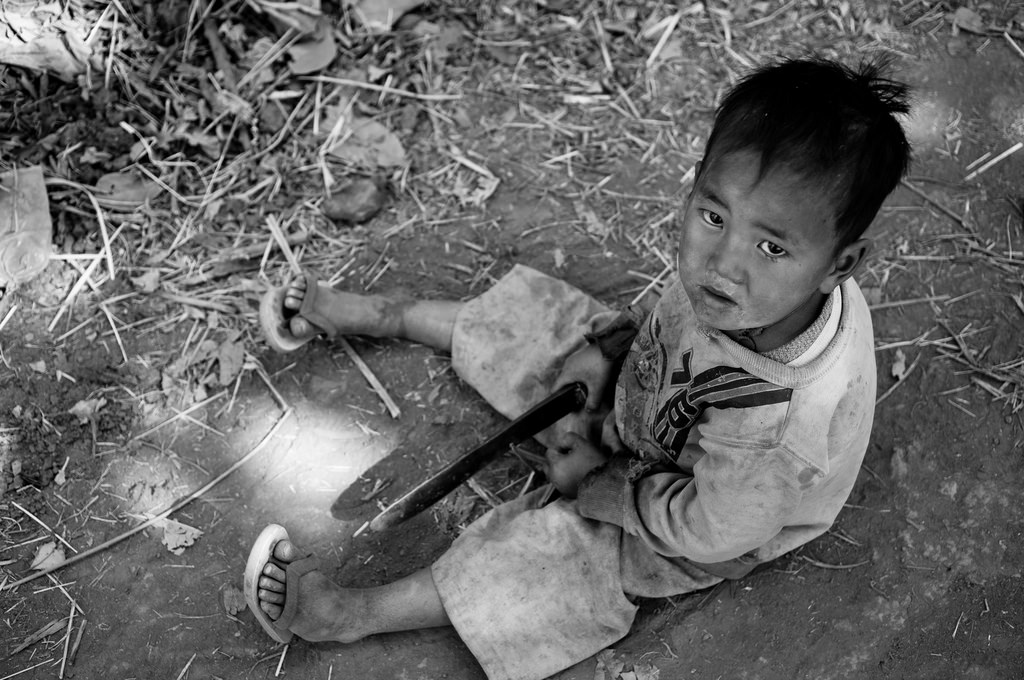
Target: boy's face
[(760, 254)]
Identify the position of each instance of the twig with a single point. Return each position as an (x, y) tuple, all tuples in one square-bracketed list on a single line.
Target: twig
[(280, 664), (1009, 152), (670, 25), (113, 327), (904, 303), (180, 414), (163, 515), (78, 641), (26, 670), (900, 381), (1013, 44), (220, 54), (383, 89), (43, 525), (46, 631), (957, 627), (67, 641), (8, 315), (60, 586), (826, 565), (956, 218), (370, 378), (282, 243), (187, 666), (73, 293), (108, 253), (769, 17)]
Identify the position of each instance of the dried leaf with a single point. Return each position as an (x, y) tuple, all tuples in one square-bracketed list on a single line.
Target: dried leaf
[(440, 38), (125, 188), (475, 191), (646, 671), (608, 667), (48, 555), (368, 143), (594, 223), (148, 282), (231, 358), (178, 536), (92, 155), (300, 16), (379, 16), (86, 409), (44, 43), (968, 19)]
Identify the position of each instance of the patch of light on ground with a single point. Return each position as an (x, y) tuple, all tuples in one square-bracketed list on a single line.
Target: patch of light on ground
[(316, 456), (931, 121)]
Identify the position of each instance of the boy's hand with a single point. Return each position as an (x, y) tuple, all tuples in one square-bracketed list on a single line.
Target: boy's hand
[(586, 365), (570, 461)]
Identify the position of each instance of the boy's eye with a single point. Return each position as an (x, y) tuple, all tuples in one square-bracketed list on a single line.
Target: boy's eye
[(770, 249), (712, 218)]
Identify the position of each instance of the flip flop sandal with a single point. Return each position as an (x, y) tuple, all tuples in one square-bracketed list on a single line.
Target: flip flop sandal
[(275, 319), (262, 552)]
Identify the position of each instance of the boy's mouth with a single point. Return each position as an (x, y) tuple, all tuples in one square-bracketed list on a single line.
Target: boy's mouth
[(715, 297)]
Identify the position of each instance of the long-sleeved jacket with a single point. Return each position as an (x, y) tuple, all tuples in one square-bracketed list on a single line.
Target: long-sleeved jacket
[(735, 458)]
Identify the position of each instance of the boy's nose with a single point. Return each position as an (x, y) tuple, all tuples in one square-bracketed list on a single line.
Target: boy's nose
[(727, 264)]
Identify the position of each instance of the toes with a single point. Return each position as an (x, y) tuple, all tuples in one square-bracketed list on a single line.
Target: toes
[(275, 572), (294, 293), (272, 610), (274, 581), (292, 301), (286, 551), (269, 596), (300, 327)]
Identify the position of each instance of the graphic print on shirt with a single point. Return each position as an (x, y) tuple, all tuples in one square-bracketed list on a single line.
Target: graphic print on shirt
[(718, 387), (662, 398)]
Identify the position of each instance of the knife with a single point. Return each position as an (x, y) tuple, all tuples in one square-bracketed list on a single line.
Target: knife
[(561, 403)]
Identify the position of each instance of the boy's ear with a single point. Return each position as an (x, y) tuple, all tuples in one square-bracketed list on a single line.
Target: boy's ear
[(846, 262)]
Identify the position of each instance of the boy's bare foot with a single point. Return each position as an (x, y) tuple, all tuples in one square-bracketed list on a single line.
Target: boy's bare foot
[(310, 606), (324, 612), (347, 313), (289, 596), (293, 315)]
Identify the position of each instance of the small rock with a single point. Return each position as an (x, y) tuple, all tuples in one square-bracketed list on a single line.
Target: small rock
[(957, 46), (232, 599), (355, 201), (898, 463), (1007, 113)]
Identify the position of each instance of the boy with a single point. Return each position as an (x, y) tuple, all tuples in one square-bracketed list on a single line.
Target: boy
[(741, 412)]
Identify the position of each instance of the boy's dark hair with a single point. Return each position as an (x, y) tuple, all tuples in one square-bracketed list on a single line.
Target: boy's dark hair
[(828, 123)]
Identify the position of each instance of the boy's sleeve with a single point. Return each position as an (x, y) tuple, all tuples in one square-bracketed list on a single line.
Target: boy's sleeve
[(736, 500), (615, 338)]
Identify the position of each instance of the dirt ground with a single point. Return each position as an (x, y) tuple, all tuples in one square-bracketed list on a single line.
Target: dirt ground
[(921, 576)]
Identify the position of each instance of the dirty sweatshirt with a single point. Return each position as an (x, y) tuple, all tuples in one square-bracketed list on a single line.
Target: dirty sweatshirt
[(735, 458)]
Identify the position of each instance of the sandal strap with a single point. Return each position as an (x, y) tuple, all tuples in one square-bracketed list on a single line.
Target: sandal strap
[(308, 309), (294, 573)]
